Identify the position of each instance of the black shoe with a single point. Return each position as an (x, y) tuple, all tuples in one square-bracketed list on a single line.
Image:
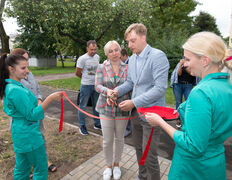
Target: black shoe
[(97, 126), (127, 133), (83, 130), (179, 125)]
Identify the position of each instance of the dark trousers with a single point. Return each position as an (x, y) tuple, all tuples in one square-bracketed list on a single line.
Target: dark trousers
[(179, 90), (86, 92), (140, 135)]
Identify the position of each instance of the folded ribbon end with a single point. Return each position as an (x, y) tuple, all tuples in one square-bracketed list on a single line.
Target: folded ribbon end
[(61, 113)]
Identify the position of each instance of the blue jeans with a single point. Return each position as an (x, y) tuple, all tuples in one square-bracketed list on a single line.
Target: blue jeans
[(86, 92), (179, 90)]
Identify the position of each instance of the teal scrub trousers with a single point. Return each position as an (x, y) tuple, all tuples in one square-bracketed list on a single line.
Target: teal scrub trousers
[(25, 161)]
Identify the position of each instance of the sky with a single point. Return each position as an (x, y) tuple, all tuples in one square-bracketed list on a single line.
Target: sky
[(220, 9)]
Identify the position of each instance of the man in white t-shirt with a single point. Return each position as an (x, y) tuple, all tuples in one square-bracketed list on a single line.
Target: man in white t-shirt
[(86, 69)]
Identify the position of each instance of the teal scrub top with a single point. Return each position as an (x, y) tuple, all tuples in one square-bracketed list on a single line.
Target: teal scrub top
[(21, 104), (207, 123)]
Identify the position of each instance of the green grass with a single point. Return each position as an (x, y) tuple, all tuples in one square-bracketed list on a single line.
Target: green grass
[(68, 68), (170, 99), (69, 83), (74, 84)]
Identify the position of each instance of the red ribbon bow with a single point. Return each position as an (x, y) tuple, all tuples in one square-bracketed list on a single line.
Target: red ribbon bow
[(166, 113)]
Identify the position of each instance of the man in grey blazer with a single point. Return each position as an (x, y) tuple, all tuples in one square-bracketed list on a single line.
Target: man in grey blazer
[(148, 79)]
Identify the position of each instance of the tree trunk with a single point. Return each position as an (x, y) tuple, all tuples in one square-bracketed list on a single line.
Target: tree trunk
[(4, 39), (3, 35), (61, 59)]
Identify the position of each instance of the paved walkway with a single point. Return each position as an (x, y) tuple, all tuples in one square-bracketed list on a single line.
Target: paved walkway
[(55, 76), (94, 167)]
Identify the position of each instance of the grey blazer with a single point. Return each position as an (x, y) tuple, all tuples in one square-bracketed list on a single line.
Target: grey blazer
[(148, 89)]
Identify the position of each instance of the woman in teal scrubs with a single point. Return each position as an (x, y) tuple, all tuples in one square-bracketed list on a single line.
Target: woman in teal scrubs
[(20, 103), (206, 115)]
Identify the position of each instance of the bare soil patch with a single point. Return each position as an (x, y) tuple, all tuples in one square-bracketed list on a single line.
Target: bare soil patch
[(67, 150)]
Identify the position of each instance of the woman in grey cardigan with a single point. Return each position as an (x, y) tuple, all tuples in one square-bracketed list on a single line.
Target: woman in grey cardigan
[(109, 75)]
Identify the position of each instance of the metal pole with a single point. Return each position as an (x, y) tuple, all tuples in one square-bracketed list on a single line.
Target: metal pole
[(230, 38)]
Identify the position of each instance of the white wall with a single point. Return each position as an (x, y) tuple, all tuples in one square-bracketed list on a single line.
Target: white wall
[(42, 62)]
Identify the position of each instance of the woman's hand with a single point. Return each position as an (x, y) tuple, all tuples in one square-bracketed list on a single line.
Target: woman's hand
[(111, 97), (56, 96), (175, 111), (153, 119)]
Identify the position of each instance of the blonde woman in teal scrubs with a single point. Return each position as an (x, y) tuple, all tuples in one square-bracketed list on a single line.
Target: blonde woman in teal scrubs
[(20, 104), (206, 115)]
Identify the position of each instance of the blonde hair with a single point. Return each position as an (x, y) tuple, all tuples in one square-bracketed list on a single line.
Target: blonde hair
[(210, 45), (108, 44), (207, 44), (139, 29)]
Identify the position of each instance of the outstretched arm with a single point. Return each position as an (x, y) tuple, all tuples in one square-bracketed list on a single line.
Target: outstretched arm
[(155, 120), (52, 97)]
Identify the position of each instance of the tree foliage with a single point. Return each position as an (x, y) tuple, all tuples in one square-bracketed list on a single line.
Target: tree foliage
[(171, 14), (170, 24), (64, 26), (70, 20), (205, 22)]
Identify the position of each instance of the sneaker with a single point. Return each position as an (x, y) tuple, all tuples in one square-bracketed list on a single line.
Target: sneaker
[(116, 173), (83, 130), (107, 174), (97, 126)]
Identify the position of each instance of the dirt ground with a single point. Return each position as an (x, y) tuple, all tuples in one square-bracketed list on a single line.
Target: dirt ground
[(66, 150)]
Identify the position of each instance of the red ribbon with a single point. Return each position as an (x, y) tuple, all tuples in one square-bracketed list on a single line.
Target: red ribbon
[(164, 112), (61, 114), (88, 114), (144, 156), (229, 58)]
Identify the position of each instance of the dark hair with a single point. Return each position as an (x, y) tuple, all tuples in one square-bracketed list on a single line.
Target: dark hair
[(5, 62), (123, 52), (91, 42), (19, 51)]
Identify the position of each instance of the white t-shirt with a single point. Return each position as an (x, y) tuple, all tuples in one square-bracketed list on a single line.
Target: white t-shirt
[(89, 66)]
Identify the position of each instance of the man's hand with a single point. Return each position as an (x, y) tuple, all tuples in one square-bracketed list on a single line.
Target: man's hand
[(181, 61), (126, 105)]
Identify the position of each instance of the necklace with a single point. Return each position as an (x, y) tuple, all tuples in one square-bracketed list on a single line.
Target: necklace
[(115, 70)]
